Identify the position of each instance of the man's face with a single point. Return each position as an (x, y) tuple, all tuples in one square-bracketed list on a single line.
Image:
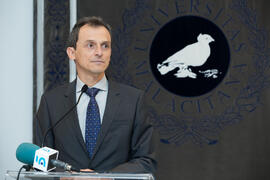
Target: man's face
[(93, 51)]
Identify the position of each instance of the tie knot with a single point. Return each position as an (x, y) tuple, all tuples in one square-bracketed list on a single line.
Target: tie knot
[(92, 92)]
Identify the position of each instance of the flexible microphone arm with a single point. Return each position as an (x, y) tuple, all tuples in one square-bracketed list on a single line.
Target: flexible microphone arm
[(84, 89)]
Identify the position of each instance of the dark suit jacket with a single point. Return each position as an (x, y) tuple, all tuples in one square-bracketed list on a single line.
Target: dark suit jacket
[(124, 144)]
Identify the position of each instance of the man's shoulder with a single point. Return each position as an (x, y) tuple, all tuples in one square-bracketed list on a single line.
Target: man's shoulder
[(126, 88), (58, 90)]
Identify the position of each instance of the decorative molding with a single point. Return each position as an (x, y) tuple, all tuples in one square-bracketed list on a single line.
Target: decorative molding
[(56, 31)]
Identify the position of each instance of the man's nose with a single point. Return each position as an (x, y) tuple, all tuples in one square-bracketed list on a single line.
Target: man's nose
[(98, 51)]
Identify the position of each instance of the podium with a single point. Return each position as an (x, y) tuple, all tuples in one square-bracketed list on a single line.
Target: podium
[(33, 175)]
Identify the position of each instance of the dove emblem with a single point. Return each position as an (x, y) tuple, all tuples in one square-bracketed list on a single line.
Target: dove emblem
[(194, 55)]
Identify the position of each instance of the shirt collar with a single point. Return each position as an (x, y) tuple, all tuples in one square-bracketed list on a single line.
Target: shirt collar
[(102, 84)]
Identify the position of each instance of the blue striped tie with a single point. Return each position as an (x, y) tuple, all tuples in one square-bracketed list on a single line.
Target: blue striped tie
[(92, 125)]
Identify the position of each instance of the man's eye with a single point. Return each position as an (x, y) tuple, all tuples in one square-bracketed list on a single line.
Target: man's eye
[(90, 45), (105, 46)]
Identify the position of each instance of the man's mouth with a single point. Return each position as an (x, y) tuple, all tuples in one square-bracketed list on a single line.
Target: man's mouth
[(97, 61)]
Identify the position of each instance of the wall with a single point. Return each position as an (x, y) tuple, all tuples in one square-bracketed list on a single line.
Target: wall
[(16, 64)]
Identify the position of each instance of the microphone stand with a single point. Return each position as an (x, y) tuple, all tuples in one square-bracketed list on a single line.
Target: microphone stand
[(84, 89)]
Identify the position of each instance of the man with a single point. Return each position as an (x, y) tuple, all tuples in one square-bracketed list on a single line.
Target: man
[(108, 131)]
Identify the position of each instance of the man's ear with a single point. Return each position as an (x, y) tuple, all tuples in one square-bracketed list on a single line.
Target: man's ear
[(71, 53)]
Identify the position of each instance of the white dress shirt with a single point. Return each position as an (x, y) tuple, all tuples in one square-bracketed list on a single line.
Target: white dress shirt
[(101, 99)]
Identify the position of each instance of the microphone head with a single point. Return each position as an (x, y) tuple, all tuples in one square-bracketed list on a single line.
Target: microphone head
[(25, 153), (84, 88)]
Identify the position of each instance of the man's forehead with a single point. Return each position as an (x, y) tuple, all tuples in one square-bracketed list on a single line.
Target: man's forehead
[(94, 30), (94, 33)]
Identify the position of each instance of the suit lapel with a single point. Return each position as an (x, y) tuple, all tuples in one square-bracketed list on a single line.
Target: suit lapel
[(113, 100), (112, 103), (74, 125)]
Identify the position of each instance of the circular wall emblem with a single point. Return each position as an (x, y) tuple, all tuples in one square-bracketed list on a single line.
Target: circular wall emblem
[(189, 56), (233, 76)]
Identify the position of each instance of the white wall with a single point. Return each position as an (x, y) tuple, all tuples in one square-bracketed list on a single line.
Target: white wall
[(16, 90)]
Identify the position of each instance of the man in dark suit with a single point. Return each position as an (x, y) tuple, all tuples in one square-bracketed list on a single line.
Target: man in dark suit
[(106, 132)]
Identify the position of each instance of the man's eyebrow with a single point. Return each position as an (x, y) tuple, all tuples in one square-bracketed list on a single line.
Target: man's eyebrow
[(89, 40), (106, 42)]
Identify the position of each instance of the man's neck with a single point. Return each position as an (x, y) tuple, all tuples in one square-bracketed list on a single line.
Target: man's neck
[(91, 80)]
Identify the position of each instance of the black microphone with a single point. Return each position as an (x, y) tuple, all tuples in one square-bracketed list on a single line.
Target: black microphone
[(62, 165), (84, 89)]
